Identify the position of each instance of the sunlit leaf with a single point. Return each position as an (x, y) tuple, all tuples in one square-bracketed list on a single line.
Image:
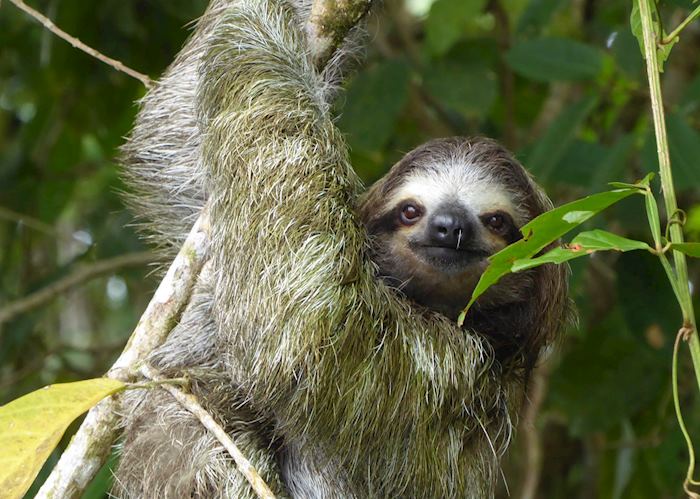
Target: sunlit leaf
[(546, 229), (585, 243), (32, 425)]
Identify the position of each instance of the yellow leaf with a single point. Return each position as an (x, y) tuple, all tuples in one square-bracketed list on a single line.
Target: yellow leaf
[(32, 425)]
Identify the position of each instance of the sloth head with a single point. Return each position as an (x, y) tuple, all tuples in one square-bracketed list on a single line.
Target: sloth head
[(438, 215)]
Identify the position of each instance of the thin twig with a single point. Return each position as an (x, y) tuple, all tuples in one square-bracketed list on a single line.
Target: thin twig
[(91, 445), (48, 24), (672, 36), (190, 402), (689, 481), (80, 276)]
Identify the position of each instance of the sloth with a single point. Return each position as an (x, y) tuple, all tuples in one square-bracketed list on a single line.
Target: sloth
[(436, 218), (321, 331)]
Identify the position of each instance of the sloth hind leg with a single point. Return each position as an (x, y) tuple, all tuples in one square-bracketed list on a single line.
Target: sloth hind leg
[(167, 453)]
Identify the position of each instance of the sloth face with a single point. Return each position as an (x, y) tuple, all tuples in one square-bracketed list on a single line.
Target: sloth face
[(451, 217), (440, 213)]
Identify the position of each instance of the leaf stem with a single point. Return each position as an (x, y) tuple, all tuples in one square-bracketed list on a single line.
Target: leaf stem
[(672, 36), (678, 276), (676, 232)]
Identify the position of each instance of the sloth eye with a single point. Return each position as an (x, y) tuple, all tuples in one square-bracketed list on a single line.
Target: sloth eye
[(410, 214), (497, 222)]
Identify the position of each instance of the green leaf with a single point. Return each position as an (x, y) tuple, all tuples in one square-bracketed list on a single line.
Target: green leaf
[(662, 51), (374, 100), (585, 243), (690, 249), (448, 21), (636, 26), (652, 210), (546, 229), (33, 424), (467, 88), (555, 141), (555, 59)]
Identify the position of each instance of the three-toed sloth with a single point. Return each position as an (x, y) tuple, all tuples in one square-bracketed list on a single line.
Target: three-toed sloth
[(321, 332)]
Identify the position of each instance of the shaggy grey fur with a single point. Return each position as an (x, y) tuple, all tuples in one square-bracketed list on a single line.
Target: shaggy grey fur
[(331, 383)]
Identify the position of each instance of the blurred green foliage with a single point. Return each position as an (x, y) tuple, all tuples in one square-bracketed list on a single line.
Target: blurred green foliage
[(560, 82)]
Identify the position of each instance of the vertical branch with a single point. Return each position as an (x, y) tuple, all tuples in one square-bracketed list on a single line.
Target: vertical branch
[(91, 445), (676, 231), (688, 330)]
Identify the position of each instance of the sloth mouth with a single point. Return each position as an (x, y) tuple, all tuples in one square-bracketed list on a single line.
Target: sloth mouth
[(443, 256)]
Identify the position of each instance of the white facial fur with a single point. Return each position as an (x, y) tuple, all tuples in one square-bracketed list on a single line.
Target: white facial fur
[(455, 181)]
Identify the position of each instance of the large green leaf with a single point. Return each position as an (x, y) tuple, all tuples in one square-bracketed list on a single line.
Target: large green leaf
[(31, 426), (374, 100), (546, 229), (555, 59), (467, 88), (448, 21), (585, 243)]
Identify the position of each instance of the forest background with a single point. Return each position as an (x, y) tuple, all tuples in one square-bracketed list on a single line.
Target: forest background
[(560, 82)]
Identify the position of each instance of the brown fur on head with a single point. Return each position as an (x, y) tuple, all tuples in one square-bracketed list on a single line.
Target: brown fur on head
[(438, 215)]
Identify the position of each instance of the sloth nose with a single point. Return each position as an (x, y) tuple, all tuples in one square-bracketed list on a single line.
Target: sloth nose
[(450, 229)]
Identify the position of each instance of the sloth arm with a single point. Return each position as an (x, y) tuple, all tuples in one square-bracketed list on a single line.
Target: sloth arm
[(312, 336), (291, 253)]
